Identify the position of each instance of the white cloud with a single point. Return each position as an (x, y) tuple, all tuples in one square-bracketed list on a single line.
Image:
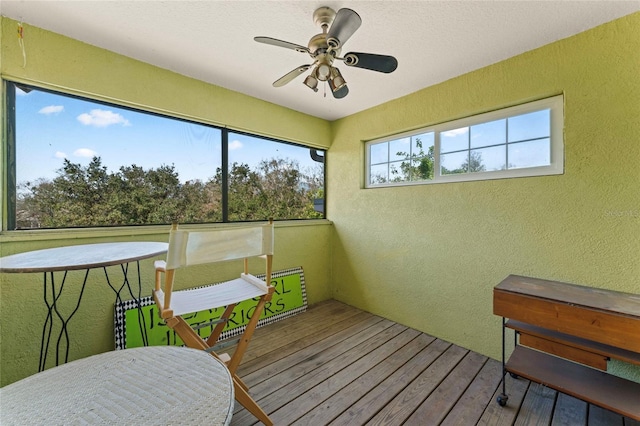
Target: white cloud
[(51, 109), (60, 154), (455, 132), (85, 152), (102, 118), (235, 145)]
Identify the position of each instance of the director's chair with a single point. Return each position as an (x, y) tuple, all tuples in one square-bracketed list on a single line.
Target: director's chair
[(197, 247)]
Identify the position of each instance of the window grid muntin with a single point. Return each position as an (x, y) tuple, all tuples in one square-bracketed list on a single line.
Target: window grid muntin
[(411, 159), (469, 135), (555, 149)]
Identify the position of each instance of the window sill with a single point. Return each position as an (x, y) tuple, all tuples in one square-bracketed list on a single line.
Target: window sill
[(147, 231)]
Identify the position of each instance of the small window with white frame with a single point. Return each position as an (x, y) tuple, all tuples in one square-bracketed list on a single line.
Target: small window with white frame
[(524, 140)]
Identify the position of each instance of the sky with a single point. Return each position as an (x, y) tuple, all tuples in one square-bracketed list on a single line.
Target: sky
[(51, 127), (527, 136)]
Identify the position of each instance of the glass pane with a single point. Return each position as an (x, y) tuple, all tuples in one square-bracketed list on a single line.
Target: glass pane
[(268, 178), (454, 140), (379, 153), (422, 159), (399, 149), (253, 150), (488, 159), (455, 163), (530, 154), (399, 171), (77, 130), (422, 169), (85, 163), (422, 145), (530, 126), (379, 174), (491, 133)]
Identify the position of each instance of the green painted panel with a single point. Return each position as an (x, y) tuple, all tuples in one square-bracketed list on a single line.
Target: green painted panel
[(142, 326)]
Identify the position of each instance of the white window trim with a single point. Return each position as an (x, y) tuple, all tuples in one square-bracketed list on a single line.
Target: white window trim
[(554, 104)]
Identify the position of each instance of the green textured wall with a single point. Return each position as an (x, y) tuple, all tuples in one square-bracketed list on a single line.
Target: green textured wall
[(60, 62), (428, 256), (81, 68)]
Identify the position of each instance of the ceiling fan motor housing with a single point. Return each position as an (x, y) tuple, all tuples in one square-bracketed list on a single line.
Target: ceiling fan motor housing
[(323, 17), (318, 42)]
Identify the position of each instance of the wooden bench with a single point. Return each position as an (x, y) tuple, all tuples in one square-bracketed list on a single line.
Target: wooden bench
[(566, 334)]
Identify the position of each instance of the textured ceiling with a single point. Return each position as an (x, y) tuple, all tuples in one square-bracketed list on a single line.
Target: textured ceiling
[(213, 40)]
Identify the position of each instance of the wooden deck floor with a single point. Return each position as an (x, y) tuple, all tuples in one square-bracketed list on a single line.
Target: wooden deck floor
[(337, 365)]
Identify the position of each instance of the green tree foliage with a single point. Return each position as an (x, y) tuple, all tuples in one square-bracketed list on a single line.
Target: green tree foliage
[(419, 165), (92, 196)]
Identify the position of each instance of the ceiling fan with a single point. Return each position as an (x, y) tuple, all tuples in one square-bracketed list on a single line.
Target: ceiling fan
[(325, 48)]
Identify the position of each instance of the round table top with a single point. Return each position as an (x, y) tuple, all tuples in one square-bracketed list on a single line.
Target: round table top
[(157, 385), (84, 256)]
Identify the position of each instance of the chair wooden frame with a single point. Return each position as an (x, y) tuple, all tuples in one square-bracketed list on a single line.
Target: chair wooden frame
[(187, 248)]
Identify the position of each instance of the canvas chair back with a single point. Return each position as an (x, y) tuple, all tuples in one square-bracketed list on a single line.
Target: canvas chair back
[(198, 247)]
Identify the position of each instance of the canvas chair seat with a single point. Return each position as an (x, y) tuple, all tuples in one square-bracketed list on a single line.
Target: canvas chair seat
[(216, 296)]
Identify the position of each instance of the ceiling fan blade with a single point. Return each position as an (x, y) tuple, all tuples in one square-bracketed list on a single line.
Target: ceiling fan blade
[(282, 43), (290, 76), (341, 93), (344, 25), (371, 61)]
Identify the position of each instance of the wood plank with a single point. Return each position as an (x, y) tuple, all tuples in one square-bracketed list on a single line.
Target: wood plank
[(295, 342), (614, 321), (356, 382), (378, 397), (598, 416), (315, 316), (280, 334), (300, 362), (494, 414), (576, 342), (569, 411), (472, 404), (568, 352), (344, 398), (610, 329), (437, 405), (597, 298), (596, 387), (325, 389), (537, 407), (400, 408), (321, 366), (631, 422)]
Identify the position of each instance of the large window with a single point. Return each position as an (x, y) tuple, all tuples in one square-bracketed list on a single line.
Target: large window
[(525, 140), (75, 162)]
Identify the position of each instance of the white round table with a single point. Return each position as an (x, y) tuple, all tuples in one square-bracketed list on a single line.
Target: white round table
[(157, 385), (85, 257)]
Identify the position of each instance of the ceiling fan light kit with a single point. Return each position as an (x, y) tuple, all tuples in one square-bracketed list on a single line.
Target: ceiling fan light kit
[(325, 48), (336, 82), (311, 82)]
